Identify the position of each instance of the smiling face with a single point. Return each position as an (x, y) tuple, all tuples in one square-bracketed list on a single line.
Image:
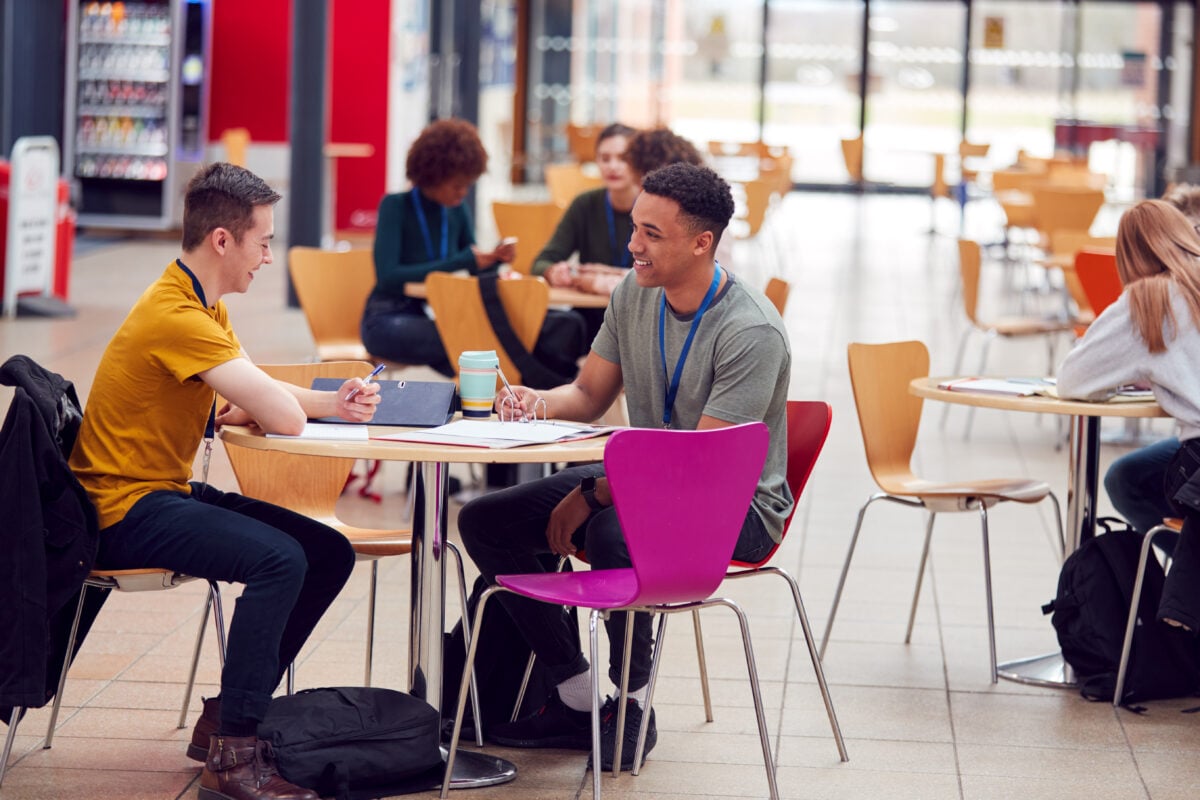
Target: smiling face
[(450, 192), (243, 259), (664, 249), (614, 169)]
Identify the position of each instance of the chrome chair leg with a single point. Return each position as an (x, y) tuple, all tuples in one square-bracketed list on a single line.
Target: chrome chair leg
[(703, 663), (1058, 520), (371, 621), (655, 661), (594, 648), (987, 583), (1131, 620), (755, 691), (13, 720), (912, 612), (622, 696), (62, 676), (462, 598), (191, 682)]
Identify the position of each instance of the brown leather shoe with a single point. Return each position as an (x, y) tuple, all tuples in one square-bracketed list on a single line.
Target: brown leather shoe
[(206, 726), (243, 768)]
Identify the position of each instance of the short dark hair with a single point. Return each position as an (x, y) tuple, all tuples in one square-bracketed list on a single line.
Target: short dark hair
[(1186, 198), (447, 148), (705, 201), (615, 129), (222, 195), (649, 150)]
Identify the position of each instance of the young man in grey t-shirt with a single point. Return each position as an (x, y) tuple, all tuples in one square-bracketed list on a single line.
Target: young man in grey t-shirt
[(734, 370)]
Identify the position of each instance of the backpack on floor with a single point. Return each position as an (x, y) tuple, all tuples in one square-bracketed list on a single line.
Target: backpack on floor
[(1090, 612), (355, 742), (500, 661)]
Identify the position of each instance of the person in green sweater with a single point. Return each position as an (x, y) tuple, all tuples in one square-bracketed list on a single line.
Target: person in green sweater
[(597, 225), (426, 229)]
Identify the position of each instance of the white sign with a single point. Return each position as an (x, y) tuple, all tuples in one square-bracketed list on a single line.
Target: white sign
[(32, 215)]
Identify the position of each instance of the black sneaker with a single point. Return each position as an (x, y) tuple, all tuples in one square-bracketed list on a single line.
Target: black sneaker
[(552, 725), (608, 731)]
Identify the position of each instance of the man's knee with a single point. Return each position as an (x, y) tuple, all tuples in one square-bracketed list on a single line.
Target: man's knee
[(284, 560), (605, 543)]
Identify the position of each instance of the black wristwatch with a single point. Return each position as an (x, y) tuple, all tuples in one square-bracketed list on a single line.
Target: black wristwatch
[(587, 488)]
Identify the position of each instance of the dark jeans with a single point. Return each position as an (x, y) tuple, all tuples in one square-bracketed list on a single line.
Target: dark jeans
[(400, 331), (505, 530), (292, 567), (1135, 484), (1181, 591)]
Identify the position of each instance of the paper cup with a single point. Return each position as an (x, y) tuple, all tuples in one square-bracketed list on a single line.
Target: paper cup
[(477, 382)]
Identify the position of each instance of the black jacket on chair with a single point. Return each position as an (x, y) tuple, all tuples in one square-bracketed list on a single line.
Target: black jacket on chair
[(49, 535)]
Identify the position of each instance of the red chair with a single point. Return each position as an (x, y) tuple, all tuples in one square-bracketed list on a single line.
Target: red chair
[(808, 427), (1097, 273), (668, 486)]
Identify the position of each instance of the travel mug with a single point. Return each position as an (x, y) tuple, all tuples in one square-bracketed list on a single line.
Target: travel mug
[(477, 382)]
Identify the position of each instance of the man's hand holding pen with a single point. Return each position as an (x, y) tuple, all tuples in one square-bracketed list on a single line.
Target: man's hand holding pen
[(521, 405), (356, 399)]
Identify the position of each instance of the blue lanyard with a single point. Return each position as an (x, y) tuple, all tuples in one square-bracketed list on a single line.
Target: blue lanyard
[(673, 386), (621, 254), (416, 198), (210, 427)]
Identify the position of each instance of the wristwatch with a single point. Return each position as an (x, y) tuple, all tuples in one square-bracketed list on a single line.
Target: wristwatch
[(587, 488)]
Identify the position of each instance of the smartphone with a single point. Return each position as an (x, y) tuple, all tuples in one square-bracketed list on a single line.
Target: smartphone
[(507, 240)]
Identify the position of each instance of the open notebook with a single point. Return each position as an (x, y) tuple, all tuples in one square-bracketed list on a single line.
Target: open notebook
[(500, 435)]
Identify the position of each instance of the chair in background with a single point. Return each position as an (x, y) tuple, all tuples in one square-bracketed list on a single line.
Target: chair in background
[(235, 141), (135, 580), (852, 153), (889, 416), (581, 141), (332, 287), (1096, 271), (568, 181), (1171, 528), (808, 428), (531, 223), (971, 150), (674, 491), (1065, 208), (463, 324), (777, 291)]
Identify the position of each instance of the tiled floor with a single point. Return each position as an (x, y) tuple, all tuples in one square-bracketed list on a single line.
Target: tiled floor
[(922, 720)]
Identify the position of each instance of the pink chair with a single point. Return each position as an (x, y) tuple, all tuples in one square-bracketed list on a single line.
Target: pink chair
[(667, 486), (808, 427)]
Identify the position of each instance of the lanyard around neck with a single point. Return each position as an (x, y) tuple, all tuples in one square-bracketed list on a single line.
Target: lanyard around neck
[(673, 385), (621, 253), (416, 198)]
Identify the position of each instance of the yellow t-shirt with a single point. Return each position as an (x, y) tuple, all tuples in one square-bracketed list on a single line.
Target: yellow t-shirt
[(147, 411)]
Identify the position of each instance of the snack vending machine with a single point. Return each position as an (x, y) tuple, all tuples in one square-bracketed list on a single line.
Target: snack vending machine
[(136, 108)]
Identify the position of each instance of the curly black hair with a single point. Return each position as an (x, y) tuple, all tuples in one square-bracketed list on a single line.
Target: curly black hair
[(222, 195), (705, 201), (445, 149), (649, 150)]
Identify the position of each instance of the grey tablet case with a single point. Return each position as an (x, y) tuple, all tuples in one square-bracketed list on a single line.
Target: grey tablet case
[(414, 404)]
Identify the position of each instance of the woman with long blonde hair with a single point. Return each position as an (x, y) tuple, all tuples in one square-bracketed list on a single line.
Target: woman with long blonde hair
[(1151, 336)]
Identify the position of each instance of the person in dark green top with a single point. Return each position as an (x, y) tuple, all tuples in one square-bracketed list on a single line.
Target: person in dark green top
[(423, 230)]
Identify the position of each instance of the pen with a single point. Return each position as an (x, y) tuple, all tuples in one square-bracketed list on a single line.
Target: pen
[(374, 372), (507, 386)]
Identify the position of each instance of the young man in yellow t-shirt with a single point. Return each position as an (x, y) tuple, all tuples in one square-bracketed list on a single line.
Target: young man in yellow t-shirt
[(152, 402)]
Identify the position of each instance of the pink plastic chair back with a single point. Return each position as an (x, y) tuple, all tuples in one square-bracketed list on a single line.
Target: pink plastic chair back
[(807, 429), (682, 497)]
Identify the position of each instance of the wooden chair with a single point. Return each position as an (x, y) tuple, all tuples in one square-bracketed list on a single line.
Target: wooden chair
[(889, 416), (581, 141), (235, 141), (532, 223), (463, 324), (1065, 208), (568, 181), (852, 152), (311, 485), (332, 287), (967, 150), (777, 291)]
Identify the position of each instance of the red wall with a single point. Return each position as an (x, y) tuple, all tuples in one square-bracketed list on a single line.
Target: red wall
[(251, 54)]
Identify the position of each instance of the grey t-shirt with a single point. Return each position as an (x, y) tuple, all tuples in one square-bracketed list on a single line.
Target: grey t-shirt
[(737, 370)]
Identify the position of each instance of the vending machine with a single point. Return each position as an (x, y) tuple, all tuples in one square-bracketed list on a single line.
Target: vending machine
[(136, 108)]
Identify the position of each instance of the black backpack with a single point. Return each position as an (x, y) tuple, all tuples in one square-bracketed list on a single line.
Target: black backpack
[(355, 742), (1090, 612), (500, 661)]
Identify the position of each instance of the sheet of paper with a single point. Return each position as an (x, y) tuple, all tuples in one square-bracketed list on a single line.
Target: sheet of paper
[(321, 430), (493, 434), (1017, 387)]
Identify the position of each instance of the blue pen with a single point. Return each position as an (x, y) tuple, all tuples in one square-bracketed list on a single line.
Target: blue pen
[(374, 372)]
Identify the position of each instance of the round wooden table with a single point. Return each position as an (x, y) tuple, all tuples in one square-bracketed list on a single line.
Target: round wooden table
[(558, 296), (428, 609), (1083, 466)]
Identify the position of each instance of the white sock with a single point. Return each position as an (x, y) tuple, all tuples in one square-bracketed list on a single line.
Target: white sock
[(576, 691), (637, 695)]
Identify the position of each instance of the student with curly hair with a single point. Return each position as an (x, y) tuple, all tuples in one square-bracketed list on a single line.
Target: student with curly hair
[(726, 347), (426, 229)]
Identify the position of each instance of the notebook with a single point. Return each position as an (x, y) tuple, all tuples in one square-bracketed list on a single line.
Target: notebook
[(416, 404)]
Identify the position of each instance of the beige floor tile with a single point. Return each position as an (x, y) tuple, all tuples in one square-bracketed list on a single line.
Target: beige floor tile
[(55, 784), (976, 787), (911, 715), (1057, 719)]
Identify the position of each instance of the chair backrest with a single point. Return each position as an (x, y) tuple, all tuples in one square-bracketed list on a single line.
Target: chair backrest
[(568, 181), (969, 266), (939, 188), (852, 153), (235, 140), (1022, 180), (683, 492), (1058, 208), (888, 415), (777, 291), (1068, 243), (973, 149), (581, 141), (462, 321), (1096, 271), (532, 223), (332, 288), (758, 200), (308, 485), (807, 429)]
